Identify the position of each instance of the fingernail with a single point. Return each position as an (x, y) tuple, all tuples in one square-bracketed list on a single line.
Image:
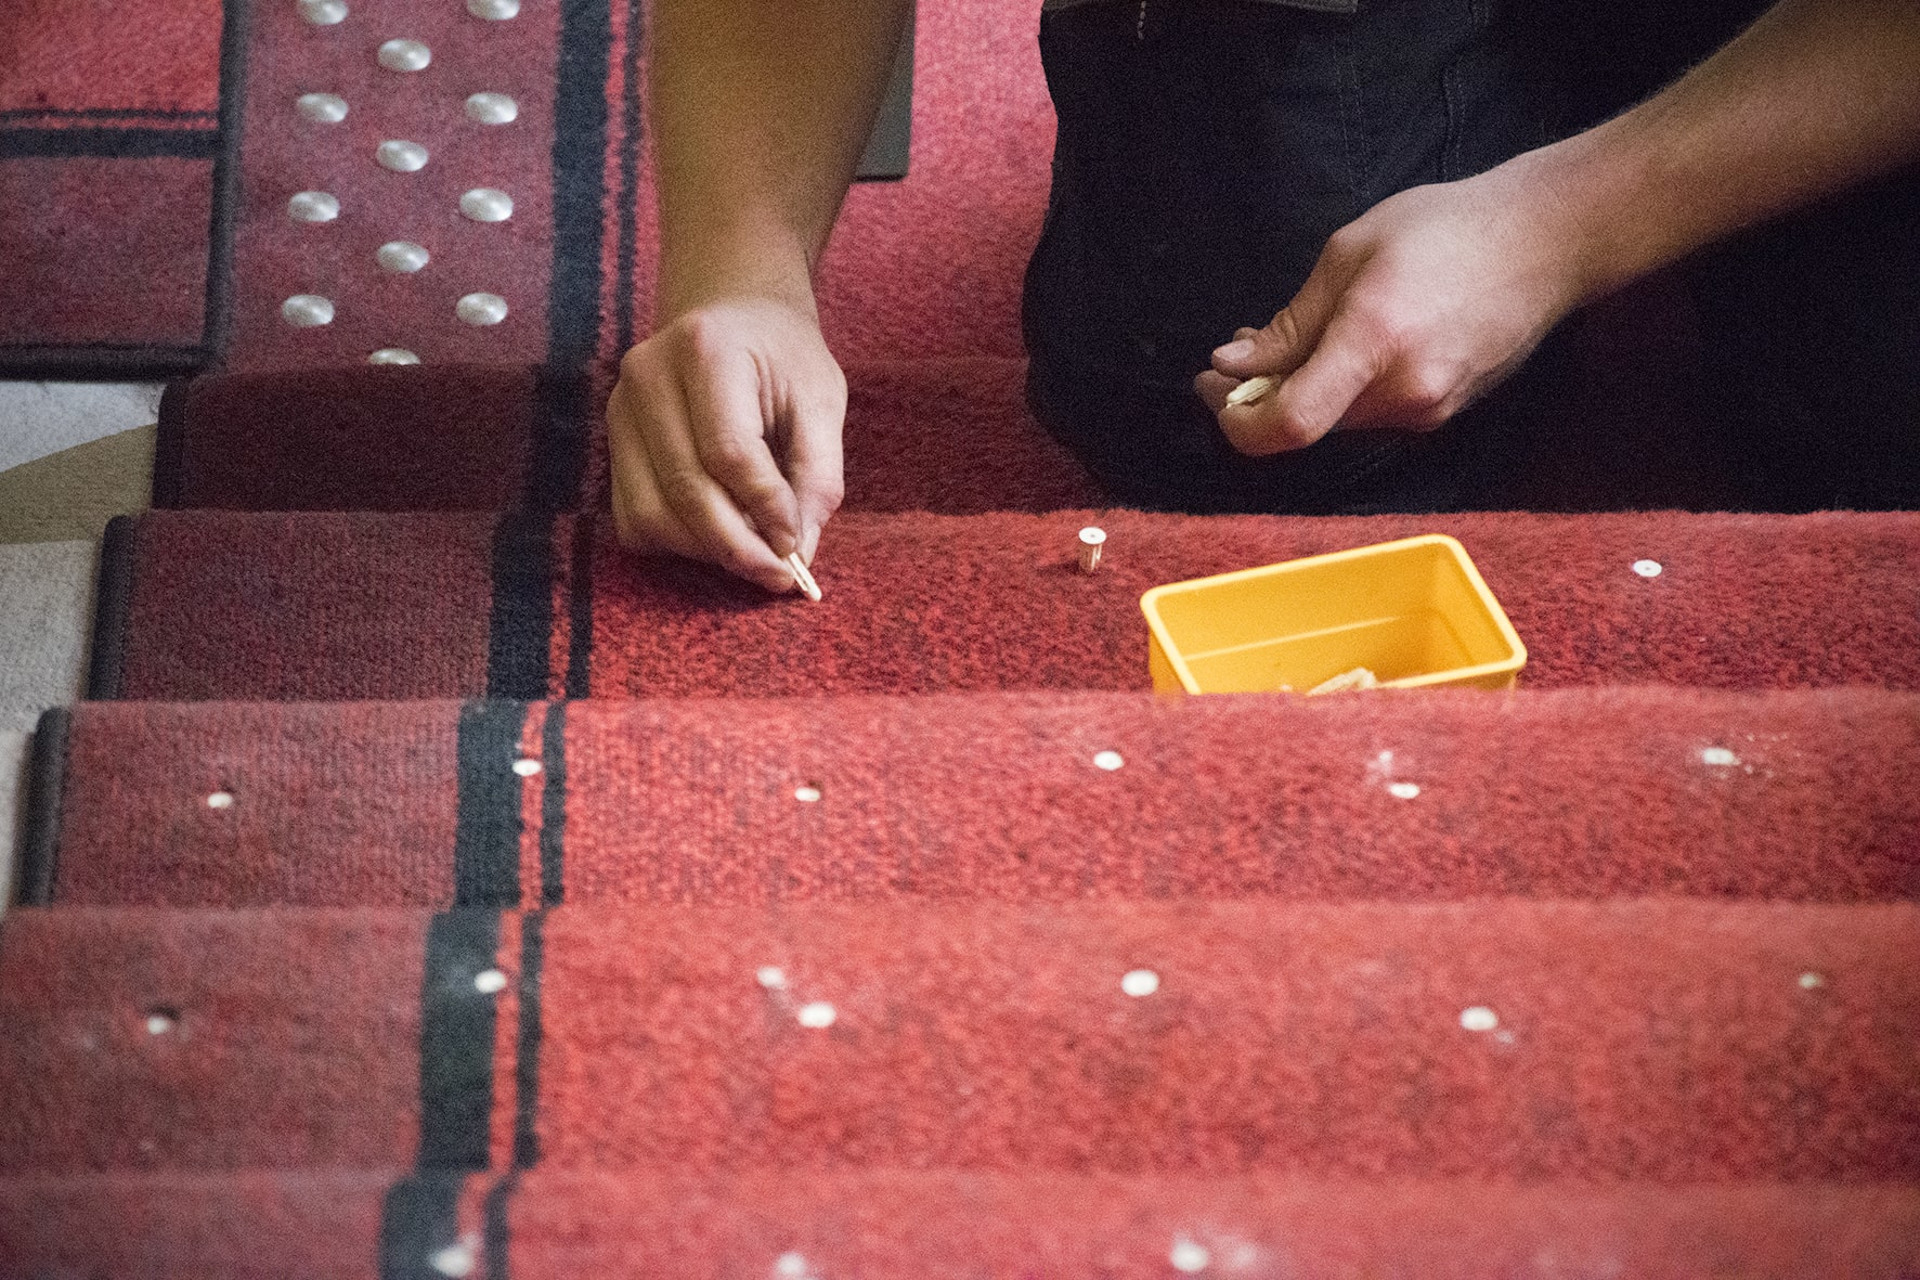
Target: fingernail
[(1239, 349)]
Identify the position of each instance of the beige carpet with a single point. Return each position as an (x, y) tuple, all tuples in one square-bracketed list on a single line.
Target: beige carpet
[(73, 493), (52, 511)]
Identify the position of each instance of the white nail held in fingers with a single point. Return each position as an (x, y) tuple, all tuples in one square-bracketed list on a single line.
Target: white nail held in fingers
[(808, 587), (1251, 390)]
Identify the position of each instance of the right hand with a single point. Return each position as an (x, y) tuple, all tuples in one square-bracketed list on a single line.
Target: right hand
[(724, 438)]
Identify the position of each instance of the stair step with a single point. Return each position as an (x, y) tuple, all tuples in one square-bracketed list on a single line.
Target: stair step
[(950, 435), (205, 604), (1671, 1041), (1574, 793), (940, 1225)]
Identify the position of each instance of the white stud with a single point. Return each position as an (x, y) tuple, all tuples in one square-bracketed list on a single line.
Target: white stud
[(807, 795), (1403, 790), (402, 257), (1092, 541), (1108, 760), (1140, 982), (1808, 981), (494, 10), (489, 982), (1189, 1257), (455, 1260), (772, 977), (322, 108), (392, 355), (220, 800), (492, 108), (1647, 568), (401, 156), (158, 1024), (487, 204), (313, 206), (817, 1014), (1479, 1018), (526, 768), (1718, 756), (790, 1266), (404, 55), (324, 13), (481, 309), (305, 310)]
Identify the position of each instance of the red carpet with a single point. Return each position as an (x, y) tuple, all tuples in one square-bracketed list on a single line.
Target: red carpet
[(228, 605), (109, 132), (1655, 1041), (1573, 794), (959, 1226), (952, 436), (956, 1226)]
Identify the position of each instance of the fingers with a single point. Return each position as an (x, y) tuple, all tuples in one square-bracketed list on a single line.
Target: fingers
[(1312, 400), (815, 463), (726, 420), (1288, 339), (669, 500)]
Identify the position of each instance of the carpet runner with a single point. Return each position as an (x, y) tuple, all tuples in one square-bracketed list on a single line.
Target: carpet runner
[(949, 1226), (216, 605), (1652, 1041), (1437, 796)]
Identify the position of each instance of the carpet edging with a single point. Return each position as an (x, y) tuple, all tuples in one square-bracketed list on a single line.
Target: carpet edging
[(45, 786), (112, 605)]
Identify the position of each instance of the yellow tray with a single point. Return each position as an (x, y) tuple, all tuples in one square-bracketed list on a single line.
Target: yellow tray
[(1414, 612)]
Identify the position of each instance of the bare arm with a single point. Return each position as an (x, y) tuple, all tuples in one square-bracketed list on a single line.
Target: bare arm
[(1437, 293), (725, 426)]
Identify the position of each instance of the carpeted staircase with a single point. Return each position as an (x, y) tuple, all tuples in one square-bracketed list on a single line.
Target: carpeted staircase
[(429, 889)]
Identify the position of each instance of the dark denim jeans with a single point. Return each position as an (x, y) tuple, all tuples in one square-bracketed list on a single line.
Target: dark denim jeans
[(1205, 155)]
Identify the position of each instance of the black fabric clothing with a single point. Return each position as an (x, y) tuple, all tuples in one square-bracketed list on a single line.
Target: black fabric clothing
[(1208, 148)]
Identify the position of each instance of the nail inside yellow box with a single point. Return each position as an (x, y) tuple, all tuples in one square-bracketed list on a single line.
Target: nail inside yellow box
[(1414, 613)]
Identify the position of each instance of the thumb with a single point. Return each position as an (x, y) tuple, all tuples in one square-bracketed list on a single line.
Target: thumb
[(1285, 342)]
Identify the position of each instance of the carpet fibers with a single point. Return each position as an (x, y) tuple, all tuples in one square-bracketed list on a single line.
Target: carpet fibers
[(205, 604), (1572, 794)]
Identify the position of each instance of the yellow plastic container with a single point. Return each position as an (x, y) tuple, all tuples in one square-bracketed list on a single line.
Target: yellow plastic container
[(1413, 612)]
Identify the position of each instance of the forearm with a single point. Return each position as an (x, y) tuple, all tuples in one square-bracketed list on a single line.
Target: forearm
[(761, 109), (1816, 96)]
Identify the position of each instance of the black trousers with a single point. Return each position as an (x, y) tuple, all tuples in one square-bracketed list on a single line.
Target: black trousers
[(1205, 155)]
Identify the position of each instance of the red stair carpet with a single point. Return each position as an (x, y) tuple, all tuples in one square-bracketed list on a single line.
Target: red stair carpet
[(230, 605), (957, 1226), (1438, 796), (110, 165), (433, 891)]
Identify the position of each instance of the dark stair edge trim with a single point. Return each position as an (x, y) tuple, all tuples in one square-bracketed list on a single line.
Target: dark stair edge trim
[(112, 602), (170, 444), (46, 783)]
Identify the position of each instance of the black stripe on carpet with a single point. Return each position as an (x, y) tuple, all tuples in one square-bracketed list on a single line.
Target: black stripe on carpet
[(526, 1111), (236, 25), (419, 1220), (486, 842), (579, 160), (553, 806), (109, 143), (520, 628), (109, 113), (628, 194), (580, 611), (456, 1041)]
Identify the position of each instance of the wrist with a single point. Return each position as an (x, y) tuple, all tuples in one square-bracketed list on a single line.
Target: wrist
[(715, 267)]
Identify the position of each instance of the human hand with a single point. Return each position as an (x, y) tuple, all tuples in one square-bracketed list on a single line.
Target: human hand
[(1413, 311), (724, 438)]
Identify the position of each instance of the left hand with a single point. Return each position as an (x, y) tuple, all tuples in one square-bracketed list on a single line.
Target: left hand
[(1413, 311)]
